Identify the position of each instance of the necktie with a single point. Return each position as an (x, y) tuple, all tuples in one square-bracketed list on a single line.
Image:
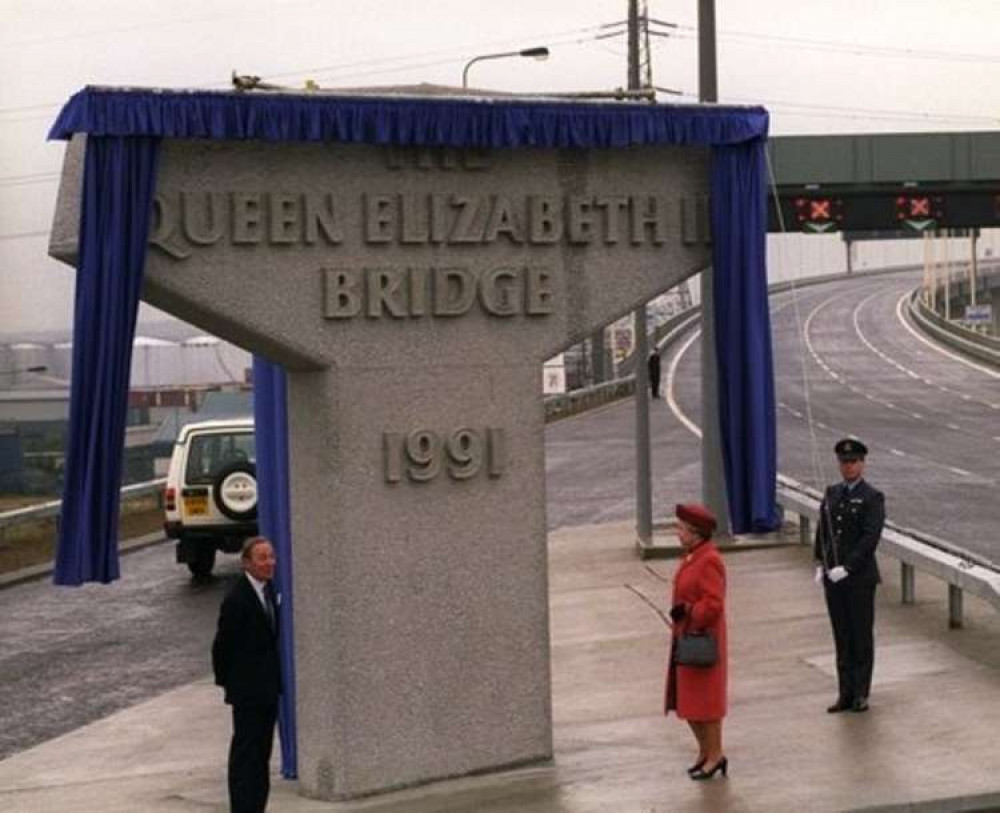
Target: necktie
[(270, 605)]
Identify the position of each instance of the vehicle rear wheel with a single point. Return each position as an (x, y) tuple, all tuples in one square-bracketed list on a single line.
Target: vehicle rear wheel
[(202, 562)]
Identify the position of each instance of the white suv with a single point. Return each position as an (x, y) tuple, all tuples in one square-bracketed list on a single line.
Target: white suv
[(211, 493)]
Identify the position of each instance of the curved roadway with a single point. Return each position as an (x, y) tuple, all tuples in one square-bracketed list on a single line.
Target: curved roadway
[(929, 419)]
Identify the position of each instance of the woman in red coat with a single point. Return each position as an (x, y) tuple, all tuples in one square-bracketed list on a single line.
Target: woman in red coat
[(697, 693)]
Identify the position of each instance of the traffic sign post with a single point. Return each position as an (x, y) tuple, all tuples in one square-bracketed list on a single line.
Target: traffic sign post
[(978, 314)]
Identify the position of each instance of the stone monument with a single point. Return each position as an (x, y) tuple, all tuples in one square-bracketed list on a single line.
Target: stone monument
[(413, 296)]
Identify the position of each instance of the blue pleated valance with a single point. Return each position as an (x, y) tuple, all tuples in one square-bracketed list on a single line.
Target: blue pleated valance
[(430, 121)]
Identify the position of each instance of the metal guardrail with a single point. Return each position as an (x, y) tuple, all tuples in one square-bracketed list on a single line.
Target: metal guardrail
[(982, 348), (46, 510), (572, 403), (962, 570)]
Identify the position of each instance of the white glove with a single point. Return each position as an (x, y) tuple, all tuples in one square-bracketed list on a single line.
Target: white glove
[(818, 576), (835, 574)]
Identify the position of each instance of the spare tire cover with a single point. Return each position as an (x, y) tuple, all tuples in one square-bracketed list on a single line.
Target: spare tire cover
[(235, 491)]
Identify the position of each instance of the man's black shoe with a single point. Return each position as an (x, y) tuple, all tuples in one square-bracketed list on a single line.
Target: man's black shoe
[(840, 705), (860, 705)]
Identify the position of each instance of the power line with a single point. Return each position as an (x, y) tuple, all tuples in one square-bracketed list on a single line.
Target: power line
[(834, 111), (455, 55), (157, 24), (20, 235), (33, 178), (899, 52), (449, 55)]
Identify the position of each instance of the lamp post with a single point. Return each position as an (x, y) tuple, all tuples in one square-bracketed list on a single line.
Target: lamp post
[(541, 53)]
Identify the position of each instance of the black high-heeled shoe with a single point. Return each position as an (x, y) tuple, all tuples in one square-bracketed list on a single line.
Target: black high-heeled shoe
[(696, 767), (721, 765)]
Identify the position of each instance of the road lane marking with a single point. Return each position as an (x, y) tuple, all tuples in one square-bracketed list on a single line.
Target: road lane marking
[(671, 373), (696, 430)]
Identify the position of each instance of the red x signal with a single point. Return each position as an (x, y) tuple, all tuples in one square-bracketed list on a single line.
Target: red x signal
[(819, 210), (919, 207)]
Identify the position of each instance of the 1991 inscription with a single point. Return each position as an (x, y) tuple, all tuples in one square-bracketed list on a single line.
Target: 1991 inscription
[(423, 454)]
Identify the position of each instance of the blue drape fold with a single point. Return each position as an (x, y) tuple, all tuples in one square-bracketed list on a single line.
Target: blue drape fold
[(743, 336), (270, 406), (118, 180)]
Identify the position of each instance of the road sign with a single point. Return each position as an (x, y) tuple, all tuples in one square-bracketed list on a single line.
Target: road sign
[(819, 215), (919, 212), (979, 314)]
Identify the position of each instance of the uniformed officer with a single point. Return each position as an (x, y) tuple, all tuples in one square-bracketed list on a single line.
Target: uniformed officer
[(850, 525)]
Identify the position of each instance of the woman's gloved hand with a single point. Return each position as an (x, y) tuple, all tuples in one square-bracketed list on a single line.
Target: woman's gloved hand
[(677, 612)]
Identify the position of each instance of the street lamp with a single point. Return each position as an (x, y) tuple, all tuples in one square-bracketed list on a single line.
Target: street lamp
[(540, 53)]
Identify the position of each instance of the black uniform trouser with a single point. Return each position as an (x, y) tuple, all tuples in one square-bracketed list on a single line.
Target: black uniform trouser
[(654, 384), (852, 614), (250, 757)]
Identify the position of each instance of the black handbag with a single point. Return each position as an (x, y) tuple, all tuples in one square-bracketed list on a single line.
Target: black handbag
[(696, 649)]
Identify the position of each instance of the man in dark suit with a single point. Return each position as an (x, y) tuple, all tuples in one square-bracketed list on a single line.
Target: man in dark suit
[(851, 517), (246, 663), (654, 373)]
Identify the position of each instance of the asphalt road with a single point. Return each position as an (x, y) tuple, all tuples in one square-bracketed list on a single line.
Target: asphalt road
[(71, 656), (929, 419), (848, 362)]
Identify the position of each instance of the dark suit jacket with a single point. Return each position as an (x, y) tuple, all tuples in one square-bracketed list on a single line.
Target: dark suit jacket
[(245, 651), (849, 529)]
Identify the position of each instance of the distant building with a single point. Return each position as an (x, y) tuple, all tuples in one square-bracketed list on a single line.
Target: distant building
[(175, 373)]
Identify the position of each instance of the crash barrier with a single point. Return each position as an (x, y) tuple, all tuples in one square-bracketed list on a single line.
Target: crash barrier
[(659, 337), (577, 401), (983, 348), (53, 508), (962, 570)]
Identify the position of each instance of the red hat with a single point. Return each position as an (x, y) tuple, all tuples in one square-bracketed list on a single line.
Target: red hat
[(696, 515)]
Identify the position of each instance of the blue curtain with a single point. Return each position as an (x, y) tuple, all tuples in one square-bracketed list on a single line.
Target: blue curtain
[(274, 518), (119, 174), (743, 336)]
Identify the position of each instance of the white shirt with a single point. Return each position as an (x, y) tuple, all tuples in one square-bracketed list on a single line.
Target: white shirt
[(258, 587)]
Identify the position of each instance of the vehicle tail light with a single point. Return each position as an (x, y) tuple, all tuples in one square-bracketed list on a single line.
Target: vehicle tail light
[(170, 499)]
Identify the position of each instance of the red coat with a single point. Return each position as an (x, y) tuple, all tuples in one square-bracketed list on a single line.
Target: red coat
[(699, 693)]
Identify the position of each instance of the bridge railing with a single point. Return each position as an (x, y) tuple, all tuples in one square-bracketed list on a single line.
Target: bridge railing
[(984, 348), (963, 571), (53, 508)]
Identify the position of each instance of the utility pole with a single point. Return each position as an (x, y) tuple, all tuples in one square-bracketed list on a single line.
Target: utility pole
[(713, 481), (973, 270), (643, 467)]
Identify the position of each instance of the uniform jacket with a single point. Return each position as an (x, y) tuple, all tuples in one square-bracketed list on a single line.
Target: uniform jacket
[(245, 651), (849, 529), (699, 693)]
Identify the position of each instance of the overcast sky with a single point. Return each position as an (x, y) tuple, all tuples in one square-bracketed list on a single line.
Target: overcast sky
[(819, 67)]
